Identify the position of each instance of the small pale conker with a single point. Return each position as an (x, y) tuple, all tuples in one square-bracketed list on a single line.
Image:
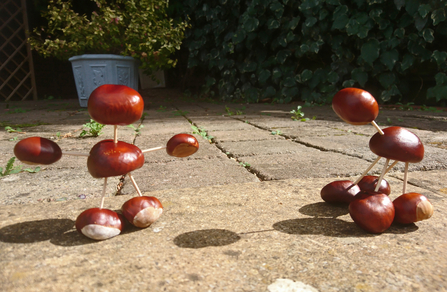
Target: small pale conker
[(99, 224), (142, 211)]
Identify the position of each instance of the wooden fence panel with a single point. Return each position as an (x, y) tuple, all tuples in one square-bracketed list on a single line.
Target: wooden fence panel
[(17, 80)]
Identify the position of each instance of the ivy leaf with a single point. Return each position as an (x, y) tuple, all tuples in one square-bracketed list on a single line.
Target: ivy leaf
[(290, 92), (268, 92), (399, 4), (360, 76), (424, 10), (310, 21), (282, 55), (340, 17), (264, 75), (407, 61), (441, 78), (289, 82), (251, 24), (370, 51), (387, 79), (306, 75), (438, 16), (272, 23), (389, 58), (333, 77), (392, 91), (428, 35), (440, 57)]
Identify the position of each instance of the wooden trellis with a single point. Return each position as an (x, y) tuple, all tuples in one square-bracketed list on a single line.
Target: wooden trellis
[(16, 63)]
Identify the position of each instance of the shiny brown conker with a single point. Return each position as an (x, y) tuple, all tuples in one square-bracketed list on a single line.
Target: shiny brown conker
[(37, 150), (355, 106), (342, 191), (142, 211), (182, 145), (412, 207), (99, 224)]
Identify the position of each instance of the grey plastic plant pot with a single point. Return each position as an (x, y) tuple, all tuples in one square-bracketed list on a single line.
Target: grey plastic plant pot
[(93, 70)]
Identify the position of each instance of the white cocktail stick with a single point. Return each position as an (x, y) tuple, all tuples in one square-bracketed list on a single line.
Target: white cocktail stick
[(377, 128), (75, 154), (405, 178), (115, 134), (379, 182), (391, 166), (153, 149), (103, 193), (135, 184), (367, 170)]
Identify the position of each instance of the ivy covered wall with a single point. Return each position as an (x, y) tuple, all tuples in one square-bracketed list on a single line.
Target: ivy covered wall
[(286, 50)]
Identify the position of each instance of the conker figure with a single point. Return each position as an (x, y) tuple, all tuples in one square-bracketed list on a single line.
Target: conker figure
[(370, 208), (116, 105)]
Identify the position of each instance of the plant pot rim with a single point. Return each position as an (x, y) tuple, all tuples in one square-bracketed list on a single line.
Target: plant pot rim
[(100, 57)]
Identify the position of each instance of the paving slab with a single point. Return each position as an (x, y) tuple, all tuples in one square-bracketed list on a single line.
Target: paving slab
[(238, 237), (242, 214)]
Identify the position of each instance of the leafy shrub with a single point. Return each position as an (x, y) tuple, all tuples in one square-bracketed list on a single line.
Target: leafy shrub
[(307, 50)]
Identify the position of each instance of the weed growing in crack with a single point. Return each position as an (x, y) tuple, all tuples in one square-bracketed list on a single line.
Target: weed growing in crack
[(238, 112), (202, 133), (94, 129), (11, 169), (276, 132), (244, 164), (136, 129)]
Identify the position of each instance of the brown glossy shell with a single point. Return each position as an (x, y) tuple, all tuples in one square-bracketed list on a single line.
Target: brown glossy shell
[(109, 159), (397, 144), (37, 150), (373, 212), (412, 207), (342, 191), (182, 145), (111, 104), (369, 182), (355, 106), (142, 211)]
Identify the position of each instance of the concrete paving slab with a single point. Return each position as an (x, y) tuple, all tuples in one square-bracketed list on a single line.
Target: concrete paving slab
[(434, 180), (236, 221), (309, 163), (184, 172), (259, 233)]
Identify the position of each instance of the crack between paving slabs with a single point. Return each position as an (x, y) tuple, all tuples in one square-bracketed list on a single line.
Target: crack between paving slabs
[(229, 155)]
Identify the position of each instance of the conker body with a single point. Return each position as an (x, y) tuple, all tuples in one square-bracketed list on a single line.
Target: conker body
[(37, 150), (369, 182), (342, 191), (355, 106), (112, 104), (99, 224), (142, 211), (108, 158), (373, 212), (182, 145), (397, 144), (412, 207)]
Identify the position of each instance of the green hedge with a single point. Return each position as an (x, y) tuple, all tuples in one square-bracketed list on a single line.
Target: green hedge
[(308, 50)]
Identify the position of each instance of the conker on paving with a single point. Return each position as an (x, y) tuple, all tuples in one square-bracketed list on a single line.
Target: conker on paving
[(369, 182), (342, 191), (373, 212), (142, 211), (412, 207), (182, 145), (37, 150), (99, 224)]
